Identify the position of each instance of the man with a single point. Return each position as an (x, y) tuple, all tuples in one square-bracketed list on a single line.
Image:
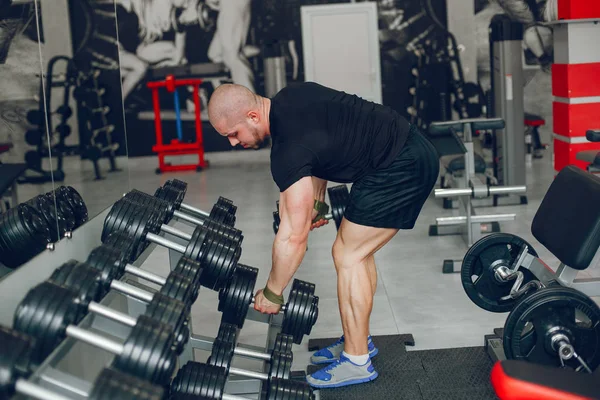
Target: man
[(320, 134)]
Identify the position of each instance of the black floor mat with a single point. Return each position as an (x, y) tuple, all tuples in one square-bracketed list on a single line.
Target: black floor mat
[(445, 374)]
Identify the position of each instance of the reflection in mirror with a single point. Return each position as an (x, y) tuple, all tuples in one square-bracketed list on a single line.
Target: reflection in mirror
[(26, 186)]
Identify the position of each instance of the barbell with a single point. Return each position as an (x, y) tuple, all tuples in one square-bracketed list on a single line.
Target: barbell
[(300, 312), (49, 319)]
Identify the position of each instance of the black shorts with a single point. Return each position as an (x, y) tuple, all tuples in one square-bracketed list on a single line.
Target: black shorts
[(394, 196)]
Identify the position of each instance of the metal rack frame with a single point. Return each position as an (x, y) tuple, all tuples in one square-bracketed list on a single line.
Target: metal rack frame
[(73, 366)]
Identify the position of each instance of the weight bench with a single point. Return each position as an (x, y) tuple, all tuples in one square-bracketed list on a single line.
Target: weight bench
[(9, 173), (591, 156), (532, 135), (520, 380), (444, 137)]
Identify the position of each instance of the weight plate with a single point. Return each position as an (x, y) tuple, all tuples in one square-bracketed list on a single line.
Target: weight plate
[(235, 298), (178, 287), (111, 384), (111, 220), (44, 313), (23, 234), (147, 352), (191, 270), (15, 359), (224, 232), (220, 214), (227, 263), (193, 250), (122, 242), (64, 208), (198, 379), (338, 197), (33, 159), (299, 313), (76, 203), (63, 130), (84, 280), (276, 221), (283, 389), (281, 364), (169, 195), (479, 266), (222, 354), (532, 325), (109, 262), (155, 202), (173, 313), (283, 343), (34, 137)]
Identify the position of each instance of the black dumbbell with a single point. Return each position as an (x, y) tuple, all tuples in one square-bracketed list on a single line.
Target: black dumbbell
[(224, 348), (111, 262), (17, 363), (147, 200), (338, 197), (217, 254), (24, 233), (174, 191), (208, 382), (90, 284), (146, 353), (300, 312)]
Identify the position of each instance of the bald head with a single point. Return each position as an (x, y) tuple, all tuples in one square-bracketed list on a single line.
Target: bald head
[(230, 104)]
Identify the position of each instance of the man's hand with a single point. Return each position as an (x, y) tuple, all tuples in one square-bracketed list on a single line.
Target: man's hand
[(263, 305)]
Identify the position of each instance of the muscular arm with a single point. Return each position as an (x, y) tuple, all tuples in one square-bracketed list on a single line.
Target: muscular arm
[(295, 205)]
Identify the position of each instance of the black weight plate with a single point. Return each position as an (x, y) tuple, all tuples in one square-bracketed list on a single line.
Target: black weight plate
[(191, 270), (15, 359), (155, 202), (551, 311), (284, 389), (79, 207), (45, 315), (138, 226), (147, 352), (67, 215), (298, 310), (81, 278), (33, 137), (310, 313), (33, 159), (219, 214), (276, 221), (111, 219), (222, 354), (109, 262), (235, 298), (179, 287), (226, 263), (200, 379), (173, 313), (229, 232), (478, 270), (111, 385), (123, 242), (169, 195), (126, 213), (338, 197), (228, 333), (194, 250), (283, 343), (63, 130), (280, 365), (212, 258), (23, 235), (47, 211)]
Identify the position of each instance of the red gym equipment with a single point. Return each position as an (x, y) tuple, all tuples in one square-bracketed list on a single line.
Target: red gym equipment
[(177, 147)]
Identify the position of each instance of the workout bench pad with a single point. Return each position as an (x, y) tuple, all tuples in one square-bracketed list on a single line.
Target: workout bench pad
[(459, 373)]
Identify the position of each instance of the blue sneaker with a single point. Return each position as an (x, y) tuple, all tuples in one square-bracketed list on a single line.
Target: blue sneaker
[(332, 352), (342, 372)]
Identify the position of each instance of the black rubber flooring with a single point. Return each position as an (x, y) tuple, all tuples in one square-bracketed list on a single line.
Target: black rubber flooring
[(445, 374)]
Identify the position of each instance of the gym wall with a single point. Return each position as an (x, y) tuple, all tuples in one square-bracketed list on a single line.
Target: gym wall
[(274, 31)]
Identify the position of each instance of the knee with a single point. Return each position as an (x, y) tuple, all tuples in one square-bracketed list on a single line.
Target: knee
[(344, 256)]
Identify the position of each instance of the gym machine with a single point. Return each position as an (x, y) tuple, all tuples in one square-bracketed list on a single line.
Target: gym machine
[(552, 320), (97, 303), (507, 82), (444, 136)]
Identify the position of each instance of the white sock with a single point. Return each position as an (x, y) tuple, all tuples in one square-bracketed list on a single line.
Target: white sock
[(358, 360)]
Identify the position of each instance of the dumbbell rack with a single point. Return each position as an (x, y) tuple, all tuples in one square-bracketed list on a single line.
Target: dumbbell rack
[(72, 367)]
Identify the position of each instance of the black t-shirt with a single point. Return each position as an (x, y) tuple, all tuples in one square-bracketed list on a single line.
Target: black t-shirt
[(333, 135)]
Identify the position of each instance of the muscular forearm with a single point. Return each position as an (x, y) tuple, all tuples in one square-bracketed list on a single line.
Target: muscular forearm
[(287, 256)]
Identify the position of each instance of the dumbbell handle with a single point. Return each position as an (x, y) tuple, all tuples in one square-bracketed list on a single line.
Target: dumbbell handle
[(240, 351), (248, 374), (94, 339), (282, 309), (31, 389), (109, 313), (193, 210), (151, 237), (176, 232), (188, 218)]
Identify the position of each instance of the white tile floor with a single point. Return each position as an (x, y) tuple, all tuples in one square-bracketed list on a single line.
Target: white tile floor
[(413, 295)]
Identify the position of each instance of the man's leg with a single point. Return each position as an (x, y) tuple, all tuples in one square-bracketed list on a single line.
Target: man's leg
[(353, 254)]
